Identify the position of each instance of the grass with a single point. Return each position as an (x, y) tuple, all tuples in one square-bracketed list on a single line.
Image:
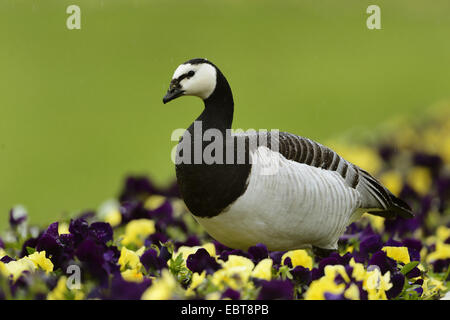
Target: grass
[(81, 109)]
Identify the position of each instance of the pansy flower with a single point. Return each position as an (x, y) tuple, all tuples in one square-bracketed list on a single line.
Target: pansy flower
[(158, 251), (136, 231), (276, 289), (152, 261), (201, 261), (162, 288), (258, 252)]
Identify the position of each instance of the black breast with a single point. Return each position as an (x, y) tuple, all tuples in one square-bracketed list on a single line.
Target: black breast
[(208, 189)]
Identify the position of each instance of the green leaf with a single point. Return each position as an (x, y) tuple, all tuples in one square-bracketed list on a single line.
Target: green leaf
[(30, 250), (176, 265), (408, 267)]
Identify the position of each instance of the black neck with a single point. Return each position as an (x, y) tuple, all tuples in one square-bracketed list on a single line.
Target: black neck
[(219, 106), (207, 189)]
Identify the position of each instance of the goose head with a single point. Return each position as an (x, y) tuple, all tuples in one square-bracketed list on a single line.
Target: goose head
[(196, 77)]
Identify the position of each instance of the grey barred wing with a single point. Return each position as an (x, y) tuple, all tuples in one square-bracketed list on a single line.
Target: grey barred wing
[(376, 198)]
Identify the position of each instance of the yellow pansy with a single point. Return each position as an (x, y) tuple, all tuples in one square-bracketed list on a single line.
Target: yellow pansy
[(376, 222), (113, 217), (393, 181), (196, 280), (352, 292), (442, 251), (214, 296), (359, 272), (132, 275), (129, 259), (3, 270), (186, 251), (334, 270), (220, 278), (399, 254), (154, 202), (420, 179), (319, 287), (61, 291), (298, 258), (443, 233), (263, 269), (239, 265), (14, 269), (162, 288), (63, 228), (39, 259), (235, 272), (377, 284), (432, 286), (136, 231)]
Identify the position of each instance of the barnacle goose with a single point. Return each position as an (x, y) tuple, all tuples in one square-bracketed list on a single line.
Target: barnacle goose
[(308, 201)]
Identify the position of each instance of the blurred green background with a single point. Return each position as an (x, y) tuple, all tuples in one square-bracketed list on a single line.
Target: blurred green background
[(81, 109)]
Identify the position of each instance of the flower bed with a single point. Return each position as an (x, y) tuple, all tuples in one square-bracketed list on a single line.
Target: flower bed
[(145, 245)]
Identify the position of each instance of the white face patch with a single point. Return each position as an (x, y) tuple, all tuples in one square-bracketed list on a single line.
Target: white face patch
[(201, 84)]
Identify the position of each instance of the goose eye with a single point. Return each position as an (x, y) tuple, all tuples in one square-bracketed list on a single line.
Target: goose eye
[(190, 74)]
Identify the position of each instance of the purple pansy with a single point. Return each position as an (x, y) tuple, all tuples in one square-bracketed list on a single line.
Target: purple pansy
[(414, 247), (334, 296), (237, 252), (413, 273), (156, 239), (398, 281), (98, 259), (441, 265), (50, 241), (79, 228), (6, 259), (122, 290), (231, 294), (276, 258), (136, 188), (151, 261), (258, 252), (432, 161), (370, 245), (131, 210), (101, 231), (89, 244), (386, 152), (301, 275), (333, 259), (164, 253), (191, 241), (219, 247), (381, 260), (29, 243), (200, 261), (276, 289)]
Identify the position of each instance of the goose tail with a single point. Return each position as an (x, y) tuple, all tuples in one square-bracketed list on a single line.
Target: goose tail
[(381, 201)]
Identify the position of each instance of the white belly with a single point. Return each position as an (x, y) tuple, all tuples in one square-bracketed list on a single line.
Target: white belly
[(286, 206)]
